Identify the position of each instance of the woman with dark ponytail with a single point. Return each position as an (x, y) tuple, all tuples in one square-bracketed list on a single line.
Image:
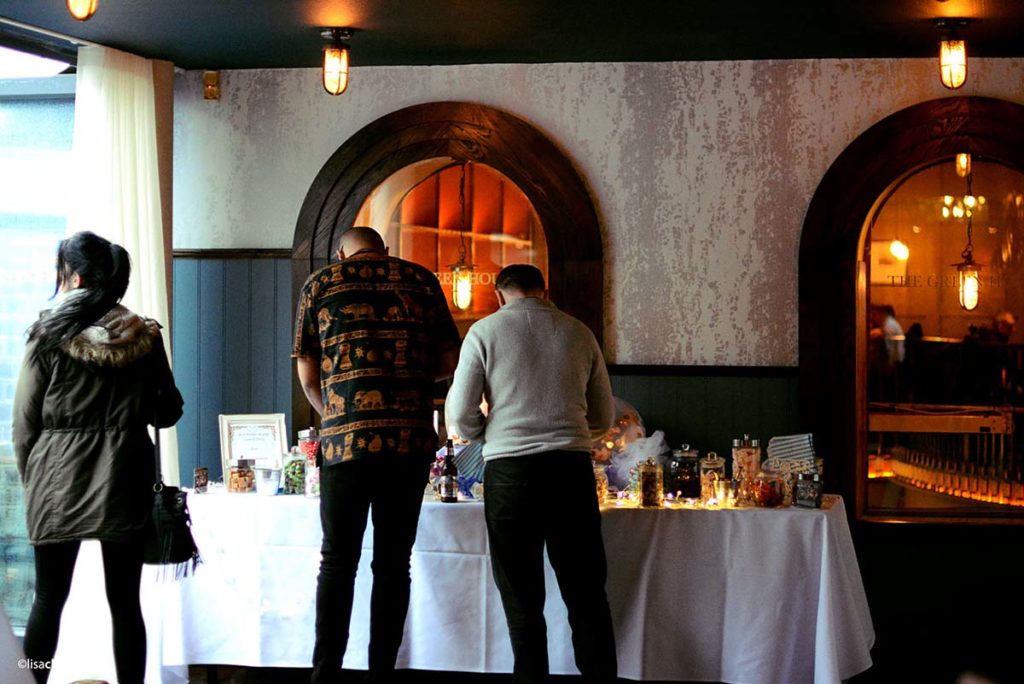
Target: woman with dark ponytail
[(95, 376)]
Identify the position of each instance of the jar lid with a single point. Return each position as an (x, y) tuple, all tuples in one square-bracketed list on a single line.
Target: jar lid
[(308, 433), (813, 477), (245, 462)]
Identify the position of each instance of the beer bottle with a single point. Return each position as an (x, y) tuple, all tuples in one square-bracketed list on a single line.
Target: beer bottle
[(449, 476)]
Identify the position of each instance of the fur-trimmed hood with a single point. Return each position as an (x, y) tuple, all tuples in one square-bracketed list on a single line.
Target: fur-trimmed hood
[(117, 339)]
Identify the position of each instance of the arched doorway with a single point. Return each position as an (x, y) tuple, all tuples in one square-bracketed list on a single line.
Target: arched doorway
[(832, 278), (462, 131)]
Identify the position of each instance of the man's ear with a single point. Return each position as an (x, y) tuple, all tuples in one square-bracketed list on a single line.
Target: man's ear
[(546, 297), (501, 297)]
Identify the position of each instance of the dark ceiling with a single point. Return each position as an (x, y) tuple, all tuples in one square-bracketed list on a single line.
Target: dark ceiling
[(238, 34)]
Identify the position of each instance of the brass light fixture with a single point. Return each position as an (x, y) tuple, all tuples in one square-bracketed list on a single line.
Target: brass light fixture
[(968, 272), (462, 271), (963, 164), (952, 53), (335, 64), (82, 9)]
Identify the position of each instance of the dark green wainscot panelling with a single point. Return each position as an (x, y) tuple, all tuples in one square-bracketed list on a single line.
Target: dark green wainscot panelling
[(232, 319), (708, 406)]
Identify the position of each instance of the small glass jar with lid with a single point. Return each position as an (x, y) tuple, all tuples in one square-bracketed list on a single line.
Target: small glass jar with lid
[(650, 484), (601, 483), (309, 444), (293, 472), (807, 490), (712, 469), (768, 489), (241, 477), (682, 474)]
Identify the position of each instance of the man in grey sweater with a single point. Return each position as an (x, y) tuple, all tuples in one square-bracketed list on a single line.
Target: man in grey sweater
[(547, 393)]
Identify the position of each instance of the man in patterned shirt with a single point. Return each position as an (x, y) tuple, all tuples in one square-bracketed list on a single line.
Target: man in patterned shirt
[(373, 333)]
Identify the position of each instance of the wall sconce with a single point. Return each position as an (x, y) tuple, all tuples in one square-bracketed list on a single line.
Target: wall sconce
[(952, 53), (336, 53), (462, 271), (899, 249), (82, 9), (211, 85)]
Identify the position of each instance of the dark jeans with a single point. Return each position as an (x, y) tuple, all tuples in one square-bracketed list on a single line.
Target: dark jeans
[(549, 498), (391, 489), (122, 573)]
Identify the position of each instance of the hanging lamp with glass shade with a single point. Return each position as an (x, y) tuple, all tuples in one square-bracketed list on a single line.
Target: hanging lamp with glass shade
[(336, 57), (462, 270), (968, 272), (963, 164), (952, 54), (82, 9)]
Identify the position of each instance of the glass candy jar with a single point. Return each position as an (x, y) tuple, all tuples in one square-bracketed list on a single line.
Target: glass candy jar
[(712, 469), (293, 474), (768, 489), (601, 483), (650, 484), (309, 444), (807, 490), (241, 477), (746, 464), (682, 474)]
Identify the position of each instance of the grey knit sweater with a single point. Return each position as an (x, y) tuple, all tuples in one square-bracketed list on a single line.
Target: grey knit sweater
[(544, 379)]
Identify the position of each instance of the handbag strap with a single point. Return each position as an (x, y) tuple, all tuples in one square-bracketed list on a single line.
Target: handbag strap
[(159, 484)]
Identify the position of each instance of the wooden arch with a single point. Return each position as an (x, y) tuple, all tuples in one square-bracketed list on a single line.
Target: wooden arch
[(832, 278), (465, 132), (473, 132)]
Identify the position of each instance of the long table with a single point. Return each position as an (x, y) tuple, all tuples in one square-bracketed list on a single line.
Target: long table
[(745, 596)]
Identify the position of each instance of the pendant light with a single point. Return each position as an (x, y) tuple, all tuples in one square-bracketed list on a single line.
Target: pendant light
[(82, 9), (963, 164), (462, 271), (968, 272), (335, 64), (952, 53)]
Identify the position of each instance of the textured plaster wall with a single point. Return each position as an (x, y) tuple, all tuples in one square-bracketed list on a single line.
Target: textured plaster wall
[(701, 172)]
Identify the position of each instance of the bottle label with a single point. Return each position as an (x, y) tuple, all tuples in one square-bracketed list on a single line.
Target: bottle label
[(449, 489)]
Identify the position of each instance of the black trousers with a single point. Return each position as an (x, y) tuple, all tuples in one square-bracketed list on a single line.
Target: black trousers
[(391, 490), (549, 499), (122, 574)]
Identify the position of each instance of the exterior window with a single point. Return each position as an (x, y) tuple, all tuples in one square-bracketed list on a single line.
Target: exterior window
[(35, 149)]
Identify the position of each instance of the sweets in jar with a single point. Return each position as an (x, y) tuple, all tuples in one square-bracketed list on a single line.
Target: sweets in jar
[(650, 484), (768, 489), (601, 483), (712, 469), (293, 474), (746, 463), (241, 477)]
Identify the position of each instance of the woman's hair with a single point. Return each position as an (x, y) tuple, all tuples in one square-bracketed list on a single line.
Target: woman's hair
[(103, 268)]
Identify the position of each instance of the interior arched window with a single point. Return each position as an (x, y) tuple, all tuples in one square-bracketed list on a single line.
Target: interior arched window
[(449, 216), (945, 359)]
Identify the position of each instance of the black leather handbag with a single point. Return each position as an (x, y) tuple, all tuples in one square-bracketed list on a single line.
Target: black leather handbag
[(168, 539)]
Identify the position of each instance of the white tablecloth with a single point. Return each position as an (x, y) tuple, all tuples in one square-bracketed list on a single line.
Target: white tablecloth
[(744, 596)]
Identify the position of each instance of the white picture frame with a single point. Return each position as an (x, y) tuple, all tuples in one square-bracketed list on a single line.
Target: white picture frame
[(257, 436)]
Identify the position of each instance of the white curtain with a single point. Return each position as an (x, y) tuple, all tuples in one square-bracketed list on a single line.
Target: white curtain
[(117, 188)]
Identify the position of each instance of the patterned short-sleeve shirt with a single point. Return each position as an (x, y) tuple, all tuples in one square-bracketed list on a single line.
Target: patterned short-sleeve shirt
[(378, 326)]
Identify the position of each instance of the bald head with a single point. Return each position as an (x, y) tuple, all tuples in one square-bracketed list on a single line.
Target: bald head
[(360, 238)]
